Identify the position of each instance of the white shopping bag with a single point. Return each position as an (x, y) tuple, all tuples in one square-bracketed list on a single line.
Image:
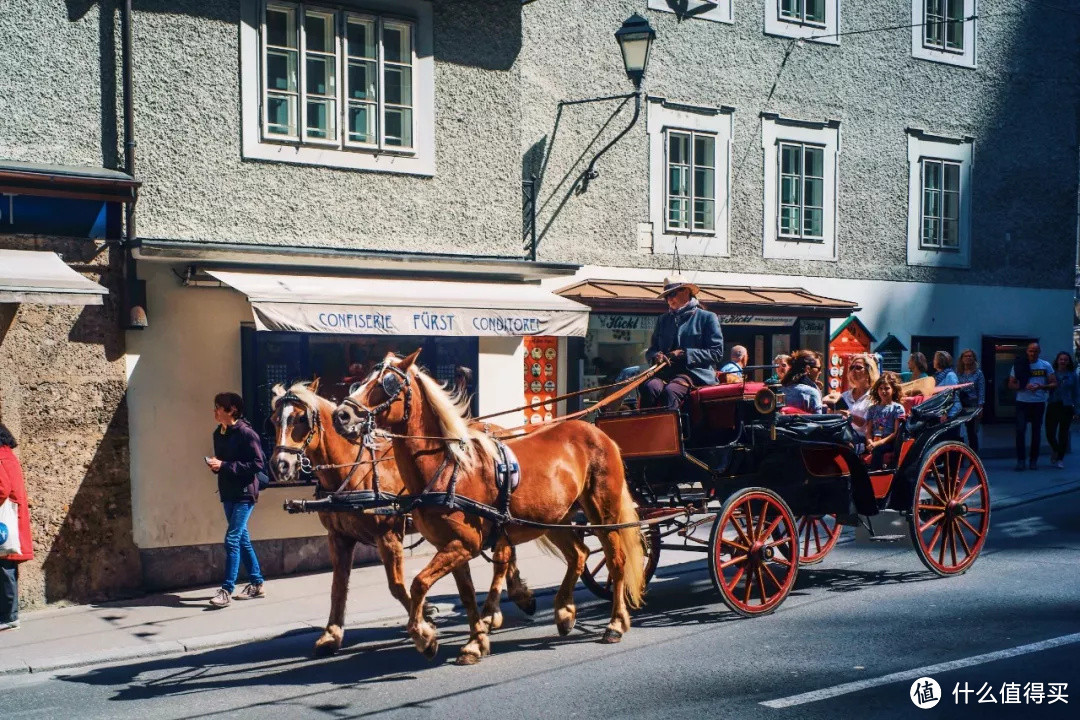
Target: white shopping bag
[(9, 529)]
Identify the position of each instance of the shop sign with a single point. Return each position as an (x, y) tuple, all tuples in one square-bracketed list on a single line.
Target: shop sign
[(462, 322), (756, 320), (608, 321), (541, 375)]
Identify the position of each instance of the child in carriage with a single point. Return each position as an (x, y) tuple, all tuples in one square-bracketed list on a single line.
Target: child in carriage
[(883, 418)]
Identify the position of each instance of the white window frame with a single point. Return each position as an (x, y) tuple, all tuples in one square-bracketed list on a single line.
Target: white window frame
[(961, 58), (721, 11), (774, 131), (663, 116), (826, 33), (257, 144), (924, 146)]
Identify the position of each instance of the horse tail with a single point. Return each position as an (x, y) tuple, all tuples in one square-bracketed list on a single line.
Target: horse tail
[(633, 547), (550, 548)]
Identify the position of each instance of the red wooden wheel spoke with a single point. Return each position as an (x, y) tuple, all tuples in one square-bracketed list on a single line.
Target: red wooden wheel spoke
[(952, 541), (772, 526), (804, 531), (977, 510), (732, 543), (817, 536), (937, 479), (931, 521), (749, 585), (933, 540), (962, 483), (944, 543), (733, 561), (933, 494), (761, 520), (779, 585), (969, 493), (734, 522), (932, 507), (960, 534), (761, 586), (971, 528), (735, 580)]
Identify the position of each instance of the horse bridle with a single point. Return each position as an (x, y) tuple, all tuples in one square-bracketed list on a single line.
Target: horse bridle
[(315, 426), (393, 386)]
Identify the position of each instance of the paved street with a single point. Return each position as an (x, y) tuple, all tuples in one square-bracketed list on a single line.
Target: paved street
[(868, 611)]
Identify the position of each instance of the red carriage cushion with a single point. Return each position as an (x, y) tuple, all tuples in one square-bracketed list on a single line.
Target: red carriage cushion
[(791, 410), (714, 405)]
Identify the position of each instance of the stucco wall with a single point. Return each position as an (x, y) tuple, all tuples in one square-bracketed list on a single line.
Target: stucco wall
[(62, 395), (1019, 105)]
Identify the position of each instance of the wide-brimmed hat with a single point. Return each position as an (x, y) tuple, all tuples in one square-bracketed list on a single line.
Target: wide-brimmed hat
[(677, 282)]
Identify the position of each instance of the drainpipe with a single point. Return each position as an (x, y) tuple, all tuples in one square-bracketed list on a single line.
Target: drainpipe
[(134, 317)]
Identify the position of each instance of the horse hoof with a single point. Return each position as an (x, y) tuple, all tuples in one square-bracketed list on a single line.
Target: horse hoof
[(611, 637), (431, 650), (565, 626), (430, 612), (529, 608), (467, 658), (326, 649)]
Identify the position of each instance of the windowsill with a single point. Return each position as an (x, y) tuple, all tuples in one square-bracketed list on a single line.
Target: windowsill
[(678, 232), (931, 248), (407, 164), (804, 23), (803, 241), (332, 146), (950, 51)]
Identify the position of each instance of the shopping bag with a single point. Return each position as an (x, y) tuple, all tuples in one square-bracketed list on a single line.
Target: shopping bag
[(9, 529)]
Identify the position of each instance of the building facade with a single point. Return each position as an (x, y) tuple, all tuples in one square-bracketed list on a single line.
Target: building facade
[(320, 183)]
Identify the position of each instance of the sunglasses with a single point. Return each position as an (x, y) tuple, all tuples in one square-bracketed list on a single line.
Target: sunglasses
[(858, 367)]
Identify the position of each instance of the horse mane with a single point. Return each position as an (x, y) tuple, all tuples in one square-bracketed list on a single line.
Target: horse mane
[(452, 411)]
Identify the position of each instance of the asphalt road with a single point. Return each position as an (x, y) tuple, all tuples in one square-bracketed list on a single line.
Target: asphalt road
[(866, 613)]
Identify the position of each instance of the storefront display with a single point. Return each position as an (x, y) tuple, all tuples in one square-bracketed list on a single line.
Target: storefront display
[(541, 377), (851, 338)]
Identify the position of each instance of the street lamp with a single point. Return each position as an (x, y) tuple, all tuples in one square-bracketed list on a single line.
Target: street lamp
[(635, 42)]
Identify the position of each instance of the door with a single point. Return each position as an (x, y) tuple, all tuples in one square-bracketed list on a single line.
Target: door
[(996, 361)]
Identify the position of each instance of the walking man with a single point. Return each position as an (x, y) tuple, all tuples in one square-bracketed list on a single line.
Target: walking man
[(1033, 380)]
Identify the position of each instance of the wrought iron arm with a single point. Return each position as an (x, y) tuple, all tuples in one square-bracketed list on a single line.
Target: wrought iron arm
[(591, 173)]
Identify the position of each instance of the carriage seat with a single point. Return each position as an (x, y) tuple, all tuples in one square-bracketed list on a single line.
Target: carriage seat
[(713, 406)]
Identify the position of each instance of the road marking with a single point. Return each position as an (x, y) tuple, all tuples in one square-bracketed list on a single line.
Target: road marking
[(837, 690)]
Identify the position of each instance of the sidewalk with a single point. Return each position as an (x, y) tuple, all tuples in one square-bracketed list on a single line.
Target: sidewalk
[(181, 621)]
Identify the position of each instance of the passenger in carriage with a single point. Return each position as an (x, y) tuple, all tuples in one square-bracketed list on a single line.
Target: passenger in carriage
[(883, 418), (800, 390), (855, 401), (688, 336), (780, 368), (733, 370)]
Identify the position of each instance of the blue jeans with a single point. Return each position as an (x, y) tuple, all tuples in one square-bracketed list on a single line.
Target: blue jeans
[(238, 545), (9, 591)]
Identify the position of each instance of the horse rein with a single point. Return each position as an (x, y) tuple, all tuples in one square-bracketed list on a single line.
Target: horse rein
[(316, 427)]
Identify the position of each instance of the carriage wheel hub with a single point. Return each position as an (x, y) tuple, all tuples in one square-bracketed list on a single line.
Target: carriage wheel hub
[(955, 509)]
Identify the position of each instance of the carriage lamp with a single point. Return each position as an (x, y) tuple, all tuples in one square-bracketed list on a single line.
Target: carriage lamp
[(635, 40)]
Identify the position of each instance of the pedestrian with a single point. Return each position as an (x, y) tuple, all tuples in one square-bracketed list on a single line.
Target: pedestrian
[(13, 488), (1033, 379), (883, 419), (973, 397), (238, 463), (944, 376), (689, 339), (780, 368), (733, 370), (1059, 410), (800, 390)]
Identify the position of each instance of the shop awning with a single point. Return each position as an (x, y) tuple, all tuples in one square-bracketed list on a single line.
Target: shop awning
[(744, 304), (403, 306), (34, 276)]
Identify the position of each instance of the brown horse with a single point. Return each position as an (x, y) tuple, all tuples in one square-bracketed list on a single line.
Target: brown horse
[(303, 428), (561, 465)]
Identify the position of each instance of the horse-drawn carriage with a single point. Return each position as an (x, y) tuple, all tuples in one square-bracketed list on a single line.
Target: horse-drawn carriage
[(778, 488)]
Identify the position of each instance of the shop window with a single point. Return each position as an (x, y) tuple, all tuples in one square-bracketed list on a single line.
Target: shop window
[(816, 20), (341, 87), (801, 161), (939, 200), (944, 31), (339, 361), (930, 344)]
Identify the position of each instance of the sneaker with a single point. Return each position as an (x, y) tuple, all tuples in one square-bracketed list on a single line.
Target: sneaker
[(250, 592), (1019, 467), (13, 625), (221, 599), (1060, 464), (1033, 465)]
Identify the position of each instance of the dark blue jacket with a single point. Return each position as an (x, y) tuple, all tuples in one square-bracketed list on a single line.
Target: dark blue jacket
[(241, 455), (697, 331)]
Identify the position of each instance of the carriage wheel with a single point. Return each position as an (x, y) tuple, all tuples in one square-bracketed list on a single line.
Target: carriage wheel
[(817, 536), (596, 576), (951, 510), (754, 552)]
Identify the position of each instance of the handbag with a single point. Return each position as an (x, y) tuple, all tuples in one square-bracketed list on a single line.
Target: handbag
[(9, 529)]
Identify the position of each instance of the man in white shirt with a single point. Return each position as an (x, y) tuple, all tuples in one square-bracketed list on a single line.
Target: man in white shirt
[(1033, 382)]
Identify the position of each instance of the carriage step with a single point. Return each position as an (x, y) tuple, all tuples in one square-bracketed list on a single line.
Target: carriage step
[(887, 538)]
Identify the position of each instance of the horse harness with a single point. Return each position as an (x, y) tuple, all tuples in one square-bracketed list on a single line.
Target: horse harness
[(315, 426)]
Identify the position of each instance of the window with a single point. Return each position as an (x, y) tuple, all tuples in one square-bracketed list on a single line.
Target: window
[(942, 32), (715, 10), (816, 20), (802, 191), (939, 200), (302, 96), (345, 87), (930, 344), (803, 11), (691, 191), (944, 28), (800, 188), (940, 204), (689, 178)]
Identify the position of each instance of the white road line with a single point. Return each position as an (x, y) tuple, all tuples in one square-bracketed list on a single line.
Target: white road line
[(837, 690)]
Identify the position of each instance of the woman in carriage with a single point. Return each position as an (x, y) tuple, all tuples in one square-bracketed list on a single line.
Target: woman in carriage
[(800, 390)]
